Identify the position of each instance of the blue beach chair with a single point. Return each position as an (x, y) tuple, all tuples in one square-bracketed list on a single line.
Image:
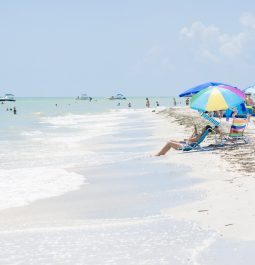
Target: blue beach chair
[(209, 118), (196, 146)]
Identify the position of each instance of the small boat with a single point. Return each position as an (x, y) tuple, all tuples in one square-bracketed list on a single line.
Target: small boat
[(118, 96), (8, 97), (84, 97)]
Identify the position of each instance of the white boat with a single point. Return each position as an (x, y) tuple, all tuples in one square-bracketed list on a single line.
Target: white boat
[(118, 96), (8, 97), (84, 97)]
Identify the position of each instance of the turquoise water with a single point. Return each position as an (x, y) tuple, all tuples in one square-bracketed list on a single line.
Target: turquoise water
[(47, 106), (48, 137), (31, 110)]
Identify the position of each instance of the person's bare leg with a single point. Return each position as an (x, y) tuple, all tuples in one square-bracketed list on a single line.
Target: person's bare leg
[(164, 150), (168, 146)]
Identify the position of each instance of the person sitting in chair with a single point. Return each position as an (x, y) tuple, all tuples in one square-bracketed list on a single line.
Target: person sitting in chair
[(179, 145)]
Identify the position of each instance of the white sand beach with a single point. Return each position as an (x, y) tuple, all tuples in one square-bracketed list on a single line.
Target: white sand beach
[(229, 181), (136, 208)]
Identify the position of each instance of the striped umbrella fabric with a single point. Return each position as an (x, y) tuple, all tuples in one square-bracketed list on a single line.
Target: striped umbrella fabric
[(194, 90), (216, 98)]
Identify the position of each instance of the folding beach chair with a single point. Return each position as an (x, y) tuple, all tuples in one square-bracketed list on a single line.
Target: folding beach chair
[(209, 118), (236, 134), (196, 146)]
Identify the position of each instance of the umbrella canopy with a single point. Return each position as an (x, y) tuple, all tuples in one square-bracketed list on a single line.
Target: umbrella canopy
[(190, 92), (249, 90), (216, 98)]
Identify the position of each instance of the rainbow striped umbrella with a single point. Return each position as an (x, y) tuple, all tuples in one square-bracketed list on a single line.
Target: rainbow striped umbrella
[(216, 98)]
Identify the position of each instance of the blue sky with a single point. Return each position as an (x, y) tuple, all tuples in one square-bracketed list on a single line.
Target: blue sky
[(138, 48)]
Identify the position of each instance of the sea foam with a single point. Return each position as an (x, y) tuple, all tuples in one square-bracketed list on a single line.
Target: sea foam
[(23, 186), (45, 160)]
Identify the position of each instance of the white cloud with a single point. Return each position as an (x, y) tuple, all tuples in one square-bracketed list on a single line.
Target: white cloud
[(247, 20), (199, 30), (210, 43), (231, 46)]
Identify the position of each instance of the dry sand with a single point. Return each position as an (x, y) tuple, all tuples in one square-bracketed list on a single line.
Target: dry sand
[(228, 179)]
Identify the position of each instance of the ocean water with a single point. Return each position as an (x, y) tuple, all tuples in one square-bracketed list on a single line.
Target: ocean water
[(50, 136), (79, 185)]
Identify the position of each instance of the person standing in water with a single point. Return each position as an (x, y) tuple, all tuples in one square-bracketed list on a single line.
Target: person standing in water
[(174, 102), (147, 103)]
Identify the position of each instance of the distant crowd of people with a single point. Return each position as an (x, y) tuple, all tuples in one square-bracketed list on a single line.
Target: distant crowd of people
[(148, 103), (12, 109)]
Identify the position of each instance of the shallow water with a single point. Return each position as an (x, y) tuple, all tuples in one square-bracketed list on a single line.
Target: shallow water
[(79, 185), (48, 136)]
